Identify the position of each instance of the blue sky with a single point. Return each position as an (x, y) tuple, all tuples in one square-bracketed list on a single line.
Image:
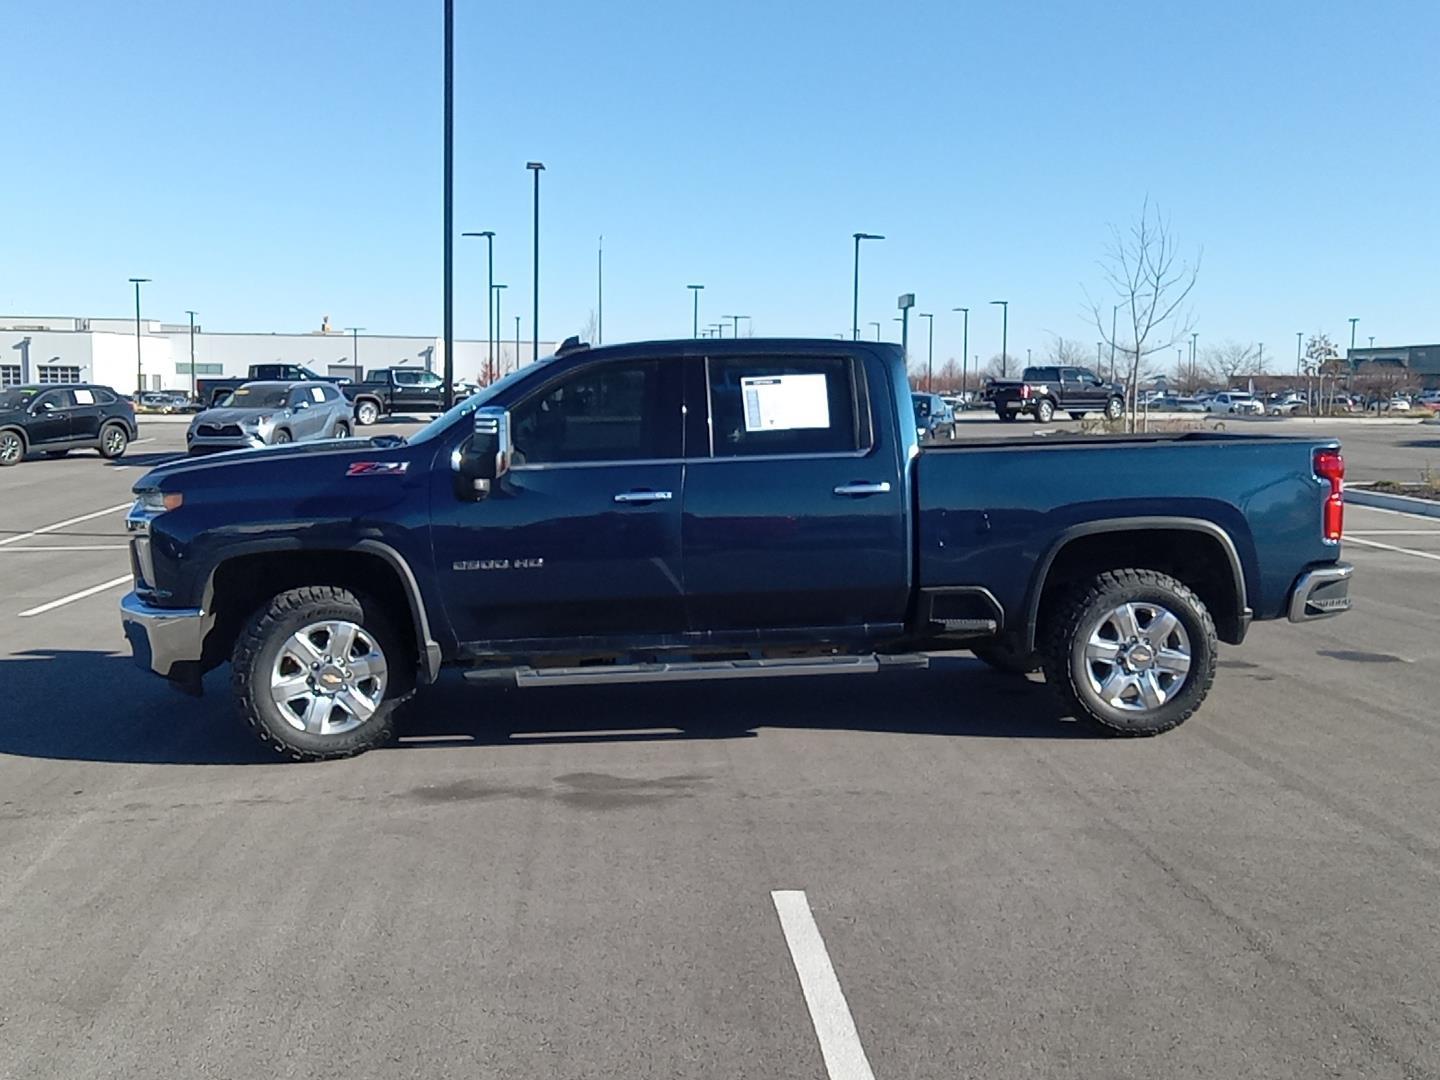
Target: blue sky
[(268, 163)]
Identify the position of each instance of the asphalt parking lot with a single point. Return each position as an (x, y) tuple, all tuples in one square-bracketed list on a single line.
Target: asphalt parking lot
[(582, 883)]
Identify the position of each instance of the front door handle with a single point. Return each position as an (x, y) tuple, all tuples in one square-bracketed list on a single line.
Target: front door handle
[(643, 496), (860, 488)]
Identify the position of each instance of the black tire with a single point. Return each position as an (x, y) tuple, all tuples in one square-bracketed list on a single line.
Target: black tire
[(366, 413), (54, 454), (12, 448), (1068, 632), (342, 430), (1114, 409), (1044, 410), (1003, 657), (1006, 415), (258, 649), (280, 438), (114, 441)]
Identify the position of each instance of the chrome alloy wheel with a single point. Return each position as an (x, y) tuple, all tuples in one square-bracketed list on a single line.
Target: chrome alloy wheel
[(329, 678), (12, 449), (114, 440), (1137, 656)]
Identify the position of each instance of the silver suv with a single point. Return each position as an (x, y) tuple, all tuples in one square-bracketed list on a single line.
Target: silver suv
[(271, 413)]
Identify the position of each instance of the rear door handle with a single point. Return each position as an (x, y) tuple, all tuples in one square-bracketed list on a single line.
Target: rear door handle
[(860, 488), (643, 496)]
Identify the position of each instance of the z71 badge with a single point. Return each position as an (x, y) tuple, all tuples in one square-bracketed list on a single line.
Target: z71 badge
[(377, 468), (498, 564)]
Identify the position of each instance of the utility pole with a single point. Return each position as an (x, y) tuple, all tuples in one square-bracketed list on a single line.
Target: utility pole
[(139, 371), (192, 354)]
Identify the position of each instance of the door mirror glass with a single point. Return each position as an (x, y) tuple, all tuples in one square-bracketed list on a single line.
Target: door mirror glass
[(484, 457)]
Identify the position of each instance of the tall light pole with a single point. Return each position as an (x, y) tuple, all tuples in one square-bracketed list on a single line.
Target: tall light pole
[(735, 319), (1352, 333), (876, 325), (1194, 337), (448, 390), (192, 353), (1372, 341), (905, 303), (1004, 336), (964, 350), (355, 350), (517, 341), (719, 328), (537, 168), (695, 310), (600, 291), (1299, 334), (930, 355), (855, 292), (492, 324), (139, 373), (495, 292)]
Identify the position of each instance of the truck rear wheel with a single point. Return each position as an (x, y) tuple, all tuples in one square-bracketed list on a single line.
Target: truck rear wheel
[(1044, 411), (1131, 651), (366, 413), (1114, 409), (316, 672)]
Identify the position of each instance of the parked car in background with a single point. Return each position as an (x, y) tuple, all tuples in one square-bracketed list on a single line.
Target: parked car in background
[(167, 402), (209, 391), (1044, 391), (1428, 399), (1288, 403), (268, 414), (395, 390), (1176, 403), (934, 418), (1235, 403), (58, 419), (1396, 403)]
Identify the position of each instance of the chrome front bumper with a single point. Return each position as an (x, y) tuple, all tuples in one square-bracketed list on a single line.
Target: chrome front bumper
[(205, 444), (167, 641), (1321, 592)]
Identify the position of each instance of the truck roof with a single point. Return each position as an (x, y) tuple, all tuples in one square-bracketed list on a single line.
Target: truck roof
[(738, 347)]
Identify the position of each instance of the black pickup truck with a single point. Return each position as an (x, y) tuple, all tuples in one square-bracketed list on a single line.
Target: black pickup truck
[(396, 390), (210, 391), (1044, 391), (719, 510)]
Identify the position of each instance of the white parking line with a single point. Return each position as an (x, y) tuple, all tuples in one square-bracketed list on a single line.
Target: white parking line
[(62, 524), (1392, 532), (137, 442), (834, 1026), (81, 595), (1392, 547), (69, 547)]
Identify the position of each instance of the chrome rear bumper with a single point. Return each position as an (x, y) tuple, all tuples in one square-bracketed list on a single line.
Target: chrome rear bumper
[(1321, 592)]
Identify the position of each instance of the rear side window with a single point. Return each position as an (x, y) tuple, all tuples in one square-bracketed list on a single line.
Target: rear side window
[(83, 396), (1042, 374), (104, 396), (782, 405)]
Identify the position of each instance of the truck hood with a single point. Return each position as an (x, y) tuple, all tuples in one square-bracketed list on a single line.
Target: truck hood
[(279, 460)]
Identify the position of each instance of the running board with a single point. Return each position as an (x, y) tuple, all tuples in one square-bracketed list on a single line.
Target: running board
[(688, 670)]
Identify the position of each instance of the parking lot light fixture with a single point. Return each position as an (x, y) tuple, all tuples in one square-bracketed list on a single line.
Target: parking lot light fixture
[(1004, 336), (855, 290), (495, 291), (355, 349), (139, 371), (536, 167), (695, 309), (517, 343), (930, 354), (964, 349), (1352, 332), (492, 324), (876, 325), (192, 353)]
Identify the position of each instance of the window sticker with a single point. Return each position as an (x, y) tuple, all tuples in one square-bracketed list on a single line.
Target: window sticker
[(785, 402), (84, 397)]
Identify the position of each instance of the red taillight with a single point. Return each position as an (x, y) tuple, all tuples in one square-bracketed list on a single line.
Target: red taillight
[(1330, 465), (1024, 391)]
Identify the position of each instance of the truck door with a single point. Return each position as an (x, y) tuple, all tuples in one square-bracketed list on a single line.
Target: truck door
[(581, 539), (795, 514), (416, 391)]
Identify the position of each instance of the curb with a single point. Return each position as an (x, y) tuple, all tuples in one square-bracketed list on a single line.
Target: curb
[(1402, 504)]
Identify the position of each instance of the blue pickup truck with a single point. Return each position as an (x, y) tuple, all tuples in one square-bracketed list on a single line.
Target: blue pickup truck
[(719, 510)]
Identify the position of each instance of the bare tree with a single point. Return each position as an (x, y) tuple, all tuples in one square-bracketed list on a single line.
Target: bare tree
[(591, 329), (1231, 360), (993, 367), (1066, 353), (1142, 267)]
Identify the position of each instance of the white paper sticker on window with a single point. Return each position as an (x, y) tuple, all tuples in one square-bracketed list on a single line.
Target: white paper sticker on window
[(785, 402), (83, 397)]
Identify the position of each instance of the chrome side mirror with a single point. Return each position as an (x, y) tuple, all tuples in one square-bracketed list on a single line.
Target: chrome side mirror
[(484, 457)]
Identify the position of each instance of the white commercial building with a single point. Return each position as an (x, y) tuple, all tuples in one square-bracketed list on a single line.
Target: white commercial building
[(36, 349)]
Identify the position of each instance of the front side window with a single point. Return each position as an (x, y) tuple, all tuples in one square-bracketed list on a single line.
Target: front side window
[(779, 405), (615, 412), (55, 399), (406, 378)]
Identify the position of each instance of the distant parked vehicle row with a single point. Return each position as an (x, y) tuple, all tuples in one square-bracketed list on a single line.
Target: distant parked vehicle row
[(269, 414), (58, 419), (167, 402)]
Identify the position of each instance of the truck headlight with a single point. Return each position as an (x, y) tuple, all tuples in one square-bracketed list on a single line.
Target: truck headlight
[(151, 503)]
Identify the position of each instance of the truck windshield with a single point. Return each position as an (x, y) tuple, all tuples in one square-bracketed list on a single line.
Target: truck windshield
[(481, 397)]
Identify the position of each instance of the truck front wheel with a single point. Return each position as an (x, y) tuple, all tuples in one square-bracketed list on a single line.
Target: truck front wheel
[(315, 674), (1132, 651)]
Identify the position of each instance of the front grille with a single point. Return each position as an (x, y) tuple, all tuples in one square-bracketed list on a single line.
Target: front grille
[(218, 431)]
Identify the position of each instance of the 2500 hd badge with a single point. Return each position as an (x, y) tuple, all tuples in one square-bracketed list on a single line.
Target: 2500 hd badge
[(498, 564)]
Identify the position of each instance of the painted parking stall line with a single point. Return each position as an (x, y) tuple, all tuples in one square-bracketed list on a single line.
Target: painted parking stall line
[(1391, 547), (65, 547), (834, 1026), (81, 595), (64, 524)]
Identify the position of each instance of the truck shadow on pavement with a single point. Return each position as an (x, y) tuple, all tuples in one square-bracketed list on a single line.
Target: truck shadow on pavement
[(95, 706)]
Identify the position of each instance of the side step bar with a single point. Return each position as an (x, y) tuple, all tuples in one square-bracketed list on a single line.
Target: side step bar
[(689, 670)]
